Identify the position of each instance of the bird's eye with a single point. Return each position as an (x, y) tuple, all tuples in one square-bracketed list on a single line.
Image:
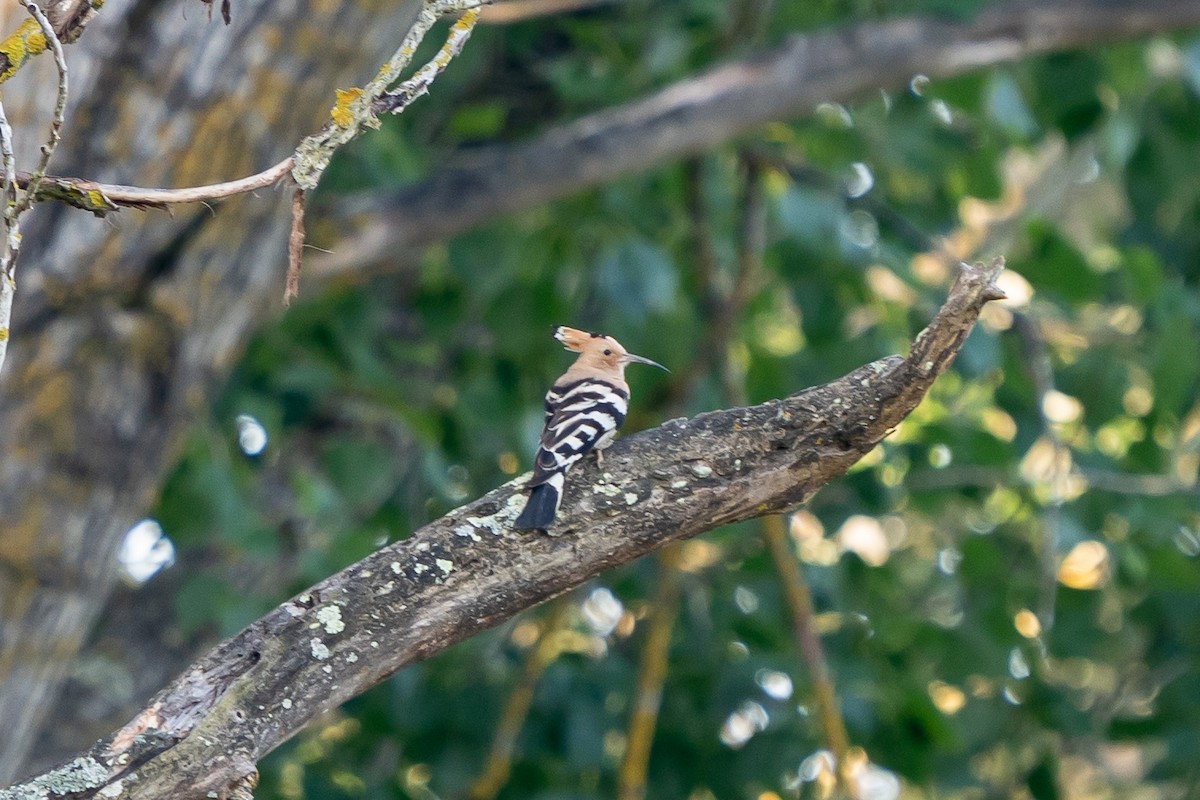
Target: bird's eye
[(608, 352)]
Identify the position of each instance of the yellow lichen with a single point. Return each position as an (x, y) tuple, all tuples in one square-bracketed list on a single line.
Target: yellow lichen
[(3, 334), (341, 113), (21, 45)]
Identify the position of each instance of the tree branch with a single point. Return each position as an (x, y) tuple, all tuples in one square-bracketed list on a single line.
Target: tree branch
[(469, 570), (17, 203), (696, 114)]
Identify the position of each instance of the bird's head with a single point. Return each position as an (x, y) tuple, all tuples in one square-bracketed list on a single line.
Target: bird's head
[(599, 352)]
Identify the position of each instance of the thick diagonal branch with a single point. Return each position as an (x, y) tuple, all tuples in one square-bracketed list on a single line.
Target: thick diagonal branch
[(469, 570)]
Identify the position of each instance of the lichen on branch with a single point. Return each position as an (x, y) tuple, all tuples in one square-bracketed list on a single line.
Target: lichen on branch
[(470, 570)]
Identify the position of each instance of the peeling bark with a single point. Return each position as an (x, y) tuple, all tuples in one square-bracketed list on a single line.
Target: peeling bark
[(469, 570)]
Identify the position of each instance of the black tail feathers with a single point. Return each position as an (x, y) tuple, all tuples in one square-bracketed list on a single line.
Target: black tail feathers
[(540, 508)]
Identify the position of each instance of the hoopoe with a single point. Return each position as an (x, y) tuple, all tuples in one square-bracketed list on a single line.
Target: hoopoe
[(584, 408)]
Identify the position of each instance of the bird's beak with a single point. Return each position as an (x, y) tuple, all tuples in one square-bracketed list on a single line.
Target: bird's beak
[(640, 360)]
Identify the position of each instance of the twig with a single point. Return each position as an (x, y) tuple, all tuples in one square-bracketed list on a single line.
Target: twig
[(295, 248), (652, 674), (226, 11), (11, 243), (9, 163), (112, 195), (498, 766), (17, 202), (395, 101), (60, 108), (355, 107)]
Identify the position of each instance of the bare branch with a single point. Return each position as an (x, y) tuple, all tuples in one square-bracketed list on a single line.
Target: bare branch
[(11, 243), (60, 107), (295, 248), (395, 101), (100, 198), (469, 570), (17, 202), (355, 107)]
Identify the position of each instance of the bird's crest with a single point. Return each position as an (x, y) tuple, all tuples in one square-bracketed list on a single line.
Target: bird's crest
[(574, 339)]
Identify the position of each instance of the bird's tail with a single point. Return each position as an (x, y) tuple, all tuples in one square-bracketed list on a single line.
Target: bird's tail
[(541, 507)]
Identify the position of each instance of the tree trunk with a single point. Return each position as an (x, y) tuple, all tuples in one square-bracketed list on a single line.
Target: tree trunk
[(123, 328)]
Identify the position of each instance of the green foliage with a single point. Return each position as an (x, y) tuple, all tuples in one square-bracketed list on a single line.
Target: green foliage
[(388, 403)]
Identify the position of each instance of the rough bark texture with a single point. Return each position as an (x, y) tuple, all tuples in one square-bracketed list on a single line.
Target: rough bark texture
[(121, 330), (699, 113), (469, 570)]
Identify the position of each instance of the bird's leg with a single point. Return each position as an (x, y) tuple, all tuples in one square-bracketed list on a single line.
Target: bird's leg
[(602, 443)]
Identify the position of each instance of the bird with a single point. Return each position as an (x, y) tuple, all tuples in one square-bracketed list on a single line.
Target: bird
[(584, 408)]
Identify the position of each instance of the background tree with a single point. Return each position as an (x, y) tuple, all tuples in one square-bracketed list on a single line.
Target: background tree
[(1005, 586)]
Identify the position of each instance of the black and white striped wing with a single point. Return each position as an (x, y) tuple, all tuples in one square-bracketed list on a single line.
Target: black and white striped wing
[(579, 416)]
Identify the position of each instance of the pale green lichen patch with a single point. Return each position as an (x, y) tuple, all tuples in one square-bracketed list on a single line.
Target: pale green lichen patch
[(500, 520), (112, 790), (331, 618), (287, 702), (701, 470), (80, 775), (445, 565), (467, 532), (395, 565), (487, 523), (319, 651), (630, 498), (606, 489)]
